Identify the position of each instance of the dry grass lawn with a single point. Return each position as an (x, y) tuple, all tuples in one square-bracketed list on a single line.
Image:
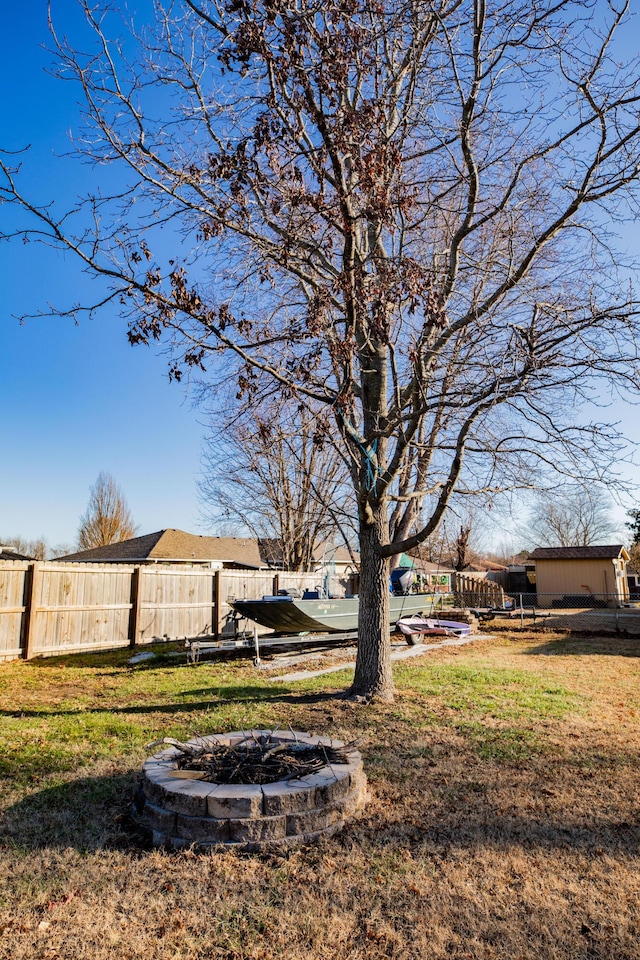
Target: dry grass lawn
[(503, 821)]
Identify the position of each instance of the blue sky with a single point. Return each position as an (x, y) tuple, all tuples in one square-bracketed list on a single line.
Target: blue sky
[(75, 400)]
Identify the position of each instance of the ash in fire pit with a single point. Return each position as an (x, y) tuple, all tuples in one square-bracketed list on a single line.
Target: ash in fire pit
[(256, 791)]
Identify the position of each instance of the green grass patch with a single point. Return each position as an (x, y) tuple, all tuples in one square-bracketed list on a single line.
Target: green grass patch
[(58, 715), (62, 714), (506, 744), (484, 691), (493, 709)]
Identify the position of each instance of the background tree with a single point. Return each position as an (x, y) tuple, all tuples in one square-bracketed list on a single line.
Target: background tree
[(107, 518), (505, 554), (38, 548), (573, 517), (462, 556), (60, 550), (391, 209), (272, 474), (633, 526), (460, 540)]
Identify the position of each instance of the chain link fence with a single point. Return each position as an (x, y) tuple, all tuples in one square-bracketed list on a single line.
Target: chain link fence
[(592, 613)]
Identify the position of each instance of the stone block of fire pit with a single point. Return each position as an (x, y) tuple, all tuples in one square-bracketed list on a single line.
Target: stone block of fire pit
[(234, 800), (181, 811)]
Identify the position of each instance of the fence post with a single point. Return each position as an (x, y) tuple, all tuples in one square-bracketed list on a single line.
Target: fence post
[(276, 585), (521, 612), (217, 604), (32, 578), (134, 618)]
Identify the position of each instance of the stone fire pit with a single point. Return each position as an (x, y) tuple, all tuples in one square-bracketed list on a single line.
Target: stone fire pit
[(184, 812)]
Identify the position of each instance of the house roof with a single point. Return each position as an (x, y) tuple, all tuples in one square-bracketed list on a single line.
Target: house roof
[(426, 566), (175, 545), (485, 566), (336, 554), (6, 553), (605, 552)]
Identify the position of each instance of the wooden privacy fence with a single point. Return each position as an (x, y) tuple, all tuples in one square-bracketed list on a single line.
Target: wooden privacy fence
[(470, 591), (49, 607)]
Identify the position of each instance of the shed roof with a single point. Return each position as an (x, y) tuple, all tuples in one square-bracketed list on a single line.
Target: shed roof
[(175, 545), (604, 552)]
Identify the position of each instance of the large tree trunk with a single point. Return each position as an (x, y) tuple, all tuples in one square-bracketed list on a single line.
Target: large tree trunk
[(373, 678)]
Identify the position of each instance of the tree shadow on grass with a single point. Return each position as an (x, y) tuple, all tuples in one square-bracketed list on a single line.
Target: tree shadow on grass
[(582, 644), (218, 697), (117, 658), (88, 814), (478, 827)]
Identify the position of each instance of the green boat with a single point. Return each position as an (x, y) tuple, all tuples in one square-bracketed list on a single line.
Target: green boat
[(290, 615)]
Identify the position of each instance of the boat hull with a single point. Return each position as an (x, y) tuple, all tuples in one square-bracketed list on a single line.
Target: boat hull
[(287, 615)]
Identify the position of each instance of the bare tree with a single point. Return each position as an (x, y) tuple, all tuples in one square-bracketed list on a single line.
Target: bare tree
[(505, 553), (633, 526), (391, 209), (459, 540), (38, 548), (60, 550), (571, 517), (275, 475), (107, 518)]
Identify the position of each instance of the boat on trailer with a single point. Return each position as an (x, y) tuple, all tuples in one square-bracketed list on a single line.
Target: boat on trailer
[(286, 614)]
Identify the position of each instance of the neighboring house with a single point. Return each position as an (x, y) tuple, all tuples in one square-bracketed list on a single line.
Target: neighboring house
[(339, 558), (434, 577), (567, 574), (340, 572), (8, 553), (488, 567), (176, 546)]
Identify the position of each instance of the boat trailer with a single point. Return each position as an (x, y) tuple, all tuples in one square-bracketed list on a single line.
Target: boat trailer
[(250, 640)]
